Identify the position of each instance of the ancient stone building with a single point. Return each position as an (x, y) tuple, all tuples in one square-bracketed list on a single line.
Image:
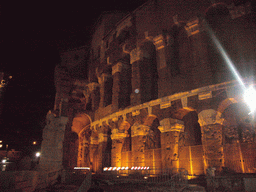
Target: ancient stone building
[(158, 89)]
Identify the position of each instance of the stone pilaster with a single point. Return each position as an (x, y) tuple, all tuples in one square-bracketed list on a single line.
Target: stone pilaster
[(105, 81), (94, 90), (139, 143), (159, 42), (83, 159), (121, 73), (117, 144), (94, 143), (170, 132), (144, 72), (211, 127), (103, 140), (135, 57), (201, 71)]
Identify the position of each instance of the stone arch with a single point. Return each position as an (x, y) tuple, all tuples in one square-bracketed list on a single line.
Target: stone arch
[(81, 127), (237, 124), (217, 14), (181, 112), (238, 137), (80, 122), (225, 103)]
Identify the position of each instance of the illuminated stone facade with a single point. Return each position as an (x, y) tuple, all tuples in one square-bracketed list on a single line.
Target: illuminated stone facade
[(158, 92)]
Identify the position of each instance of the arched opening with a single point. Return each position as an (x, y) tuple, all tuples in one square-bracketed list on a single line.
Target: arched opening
[(81, 126), (148, 72), (217, 14), (153, 140), (238, 125), (192, 129), (70, 160), (239, 138)]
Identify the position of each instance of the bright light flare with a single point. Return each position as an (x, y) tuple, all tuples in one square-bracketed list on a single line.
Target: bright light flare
[(82, 168), (250, 98), (226, 57), (38, 154), (4, 161)]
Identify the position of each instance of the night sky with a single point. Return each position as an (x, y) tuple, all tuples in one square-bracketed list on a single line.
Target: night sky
[(32, 34)]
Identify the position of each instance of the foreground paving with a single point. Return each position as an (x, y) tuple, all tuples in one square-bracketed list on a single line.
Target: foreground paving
[(60, 188)]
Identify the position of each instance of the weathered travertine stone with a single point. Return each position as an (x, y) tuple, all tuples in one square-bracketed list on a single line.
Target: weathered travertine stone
[(52, 144)]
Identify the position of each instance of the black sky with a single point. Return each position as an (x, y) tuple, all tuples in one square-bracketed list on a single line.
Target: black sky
[(31, 36)]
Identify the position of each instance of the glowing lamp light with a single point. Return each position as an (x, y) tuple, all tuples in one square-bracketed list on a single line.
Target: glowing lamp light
[(135, 168), (126, 168), (82, 168), (38, 154), (4, 161), (122, 168), (34, 142), (105, 169), (132, 168), (1, 145), (110, 168), (118, 168), (249, 97), (1, 141), (114, 168)]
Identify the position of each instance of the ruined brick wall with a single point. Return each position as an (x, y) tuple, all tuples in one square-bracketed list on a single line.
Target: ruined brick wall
[(159, 93)]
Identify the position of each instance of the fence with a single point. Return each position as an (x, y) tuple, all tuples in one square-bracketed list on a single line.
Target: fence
[(163, 176)]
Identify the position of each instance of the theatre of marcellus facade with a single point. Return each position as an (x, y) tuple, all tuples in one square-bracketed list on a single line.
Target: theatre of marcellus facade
[(158, 91)]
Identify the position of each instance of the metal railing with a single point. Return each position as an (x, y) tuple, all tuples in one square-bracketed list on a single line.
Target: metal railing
[(175, 177)]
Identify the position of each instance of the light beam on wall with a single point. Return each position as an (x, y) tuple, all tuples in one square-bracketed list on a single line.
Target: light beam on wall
[(249, 93)]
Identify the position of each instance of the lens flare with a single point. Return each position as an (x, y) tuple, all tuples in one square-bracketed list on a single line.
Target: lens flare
[(249, 97), (249, 93)]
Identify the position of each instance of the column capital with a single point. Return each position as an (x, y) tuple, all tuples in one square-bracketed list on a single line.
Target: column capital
[(192, 27), (118, 67), (139, 130), (94, 141), (92, 86), (116, 134), (138, 54), (159, 42), (102, 137), (169, 124), (103, 77), (210, 117)]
